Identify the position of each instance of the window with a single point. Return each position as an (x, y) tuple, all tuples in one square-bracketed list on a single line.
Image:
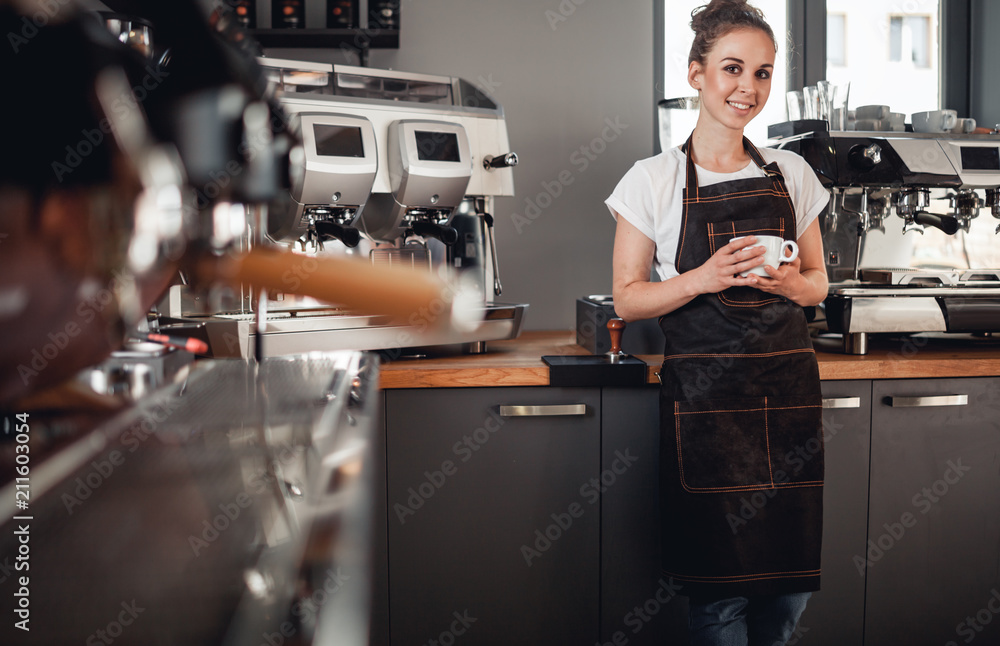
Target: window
[(891, 55), (910, 40), (836, 39)]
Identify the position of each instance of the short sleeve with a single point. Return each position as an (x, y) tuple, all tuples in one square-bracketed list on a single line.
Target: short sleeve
[(633, 200)]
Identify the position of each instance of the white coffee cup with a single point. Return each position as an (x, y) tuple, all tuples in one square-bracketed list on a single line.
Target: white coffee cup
[(774, 254), (872, 125), (964, 126), (874, 112), (934, 121)]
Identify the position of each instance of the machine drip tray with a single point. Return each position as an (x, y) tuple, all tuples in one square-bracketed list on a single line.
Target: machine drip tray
[(922, 277)]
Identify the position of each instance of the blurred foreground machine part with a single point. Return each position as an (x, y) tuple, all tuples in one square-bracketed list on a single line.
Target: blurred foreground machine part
[(232, 504), (230, 507)]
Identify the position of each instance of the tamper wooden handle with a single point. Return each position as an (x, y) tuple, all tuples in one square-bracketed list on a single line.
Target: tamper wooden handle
[(616, 327)]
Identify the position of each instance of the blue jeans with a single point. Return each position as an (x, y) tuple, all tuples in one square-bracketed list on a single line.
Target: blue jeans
[(746, 621)]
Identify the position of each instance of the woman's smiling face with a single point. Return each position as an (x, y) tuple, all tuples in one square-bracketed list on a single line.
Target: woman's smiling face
[(735, 79)]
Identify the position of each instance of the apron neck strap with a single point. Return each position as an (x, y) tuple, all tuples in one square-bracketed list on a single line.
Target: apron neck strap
[(691, 182)]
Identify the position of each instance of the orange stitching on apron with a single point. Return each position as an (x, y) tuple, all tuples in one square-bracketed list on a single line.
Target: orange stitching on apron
[(677, 432), (767, 443), (732, 195), (742, 410), (735, 488), (735, 195), (732, 303), (745, 577), (743, 233), (684, 228)]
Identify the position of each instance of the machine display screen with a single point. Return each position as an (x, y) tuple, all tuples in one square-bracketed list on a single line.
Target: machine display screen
[(338, 141), (980, 158), (437, 146)]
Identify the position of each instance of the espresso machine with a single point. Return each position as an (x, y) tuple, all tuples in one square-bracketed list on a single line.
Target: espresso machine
[(396, 167), (873, 176)]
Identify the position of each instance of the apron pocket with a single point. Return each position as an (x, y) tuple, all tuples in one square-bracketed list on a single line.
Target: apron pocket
[(749, 443), (719, 235)]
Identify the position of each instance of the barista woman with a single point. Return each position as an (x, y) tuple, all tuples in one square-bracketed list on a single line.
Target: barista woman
[(740, 400)]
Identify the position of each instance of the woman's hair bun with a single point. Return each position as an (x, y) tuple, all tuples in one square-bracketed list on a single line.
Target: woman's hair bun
[(719, 17)]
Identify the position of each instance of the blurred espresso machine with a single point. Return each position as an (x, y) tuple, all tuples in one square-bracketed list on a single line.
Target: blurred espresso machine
[(886, 179), (398, 167)]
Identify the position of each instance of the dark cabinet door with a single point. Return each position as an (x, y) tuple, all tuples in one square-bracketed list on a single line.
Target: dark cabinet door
[(493, 515), (835, 614), (639, 606), (933, 544)]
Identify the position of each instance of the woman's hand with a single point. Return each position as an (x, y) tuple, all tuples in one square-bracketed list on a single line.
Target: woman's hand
[(723, 269), (802, 280), (785, 281)]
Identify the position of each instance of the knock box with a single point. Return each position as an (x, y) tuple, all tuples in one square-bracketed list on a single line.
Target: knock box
[(592, 316)]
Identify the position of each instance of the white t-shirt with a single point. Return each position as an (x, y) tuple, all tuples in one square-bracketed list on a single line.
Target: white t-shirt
[(650, 196)]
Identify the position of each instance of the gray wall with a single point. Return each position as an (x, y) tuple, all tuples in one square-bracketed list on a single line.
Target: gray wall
[(561, 82), (984, 88)]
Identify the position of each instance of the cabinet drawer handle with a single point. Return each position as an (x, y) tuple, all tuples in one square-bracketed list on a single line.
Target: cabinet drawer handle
[(943, 400), (842, 402), (543, 411)]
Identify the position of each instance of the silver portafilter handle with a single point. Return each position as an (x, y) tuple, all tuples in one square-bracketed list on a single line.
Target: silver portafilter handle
[(911, 205)]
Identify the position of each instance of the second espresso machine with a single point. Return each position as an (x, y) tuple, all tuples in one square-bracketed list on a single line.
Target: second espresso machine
[(873, 175), (398, 167)]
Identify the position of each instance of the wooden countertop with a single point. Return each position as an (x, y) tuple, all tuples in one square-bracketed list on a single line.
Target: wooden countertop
[(518, 362)]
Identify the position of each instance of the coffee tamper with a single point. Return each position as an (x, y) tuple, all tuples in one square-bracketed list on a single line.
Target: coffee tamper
[(616, 328)]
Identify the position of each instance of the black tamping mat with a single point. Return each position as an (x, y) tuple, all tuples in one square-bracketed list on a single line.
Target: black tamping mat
[(612, 369), (595, 370)]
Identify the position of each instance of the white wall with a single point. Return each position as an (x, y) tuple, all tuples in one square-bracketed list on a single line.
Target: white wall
[(563, 71)]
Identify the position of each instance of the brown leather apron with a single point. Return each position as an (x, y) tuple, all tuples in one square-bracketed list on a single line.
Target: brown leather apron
[(741, 448)]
